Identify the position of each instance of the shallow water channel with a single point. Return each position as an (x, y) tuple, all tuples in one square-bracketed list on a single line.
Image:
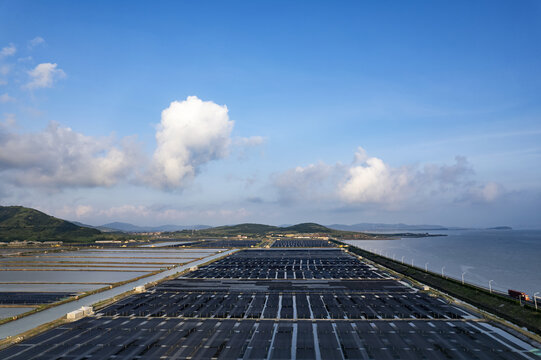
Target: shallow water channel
[(29, 322)]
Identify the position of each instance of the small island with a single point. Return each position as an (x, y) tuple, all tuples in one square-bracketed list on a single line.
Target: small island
[(413, 235)]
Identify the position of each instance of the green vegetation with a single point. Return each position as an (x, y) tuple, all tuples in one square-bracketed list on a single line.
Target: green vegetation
[(502, 306), (259, 230), (310, 228), (241, 229), (18, 223)]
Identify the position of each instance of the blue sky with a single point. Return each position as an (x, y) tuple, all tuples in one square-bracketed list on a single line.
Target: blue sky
[(441, 97)]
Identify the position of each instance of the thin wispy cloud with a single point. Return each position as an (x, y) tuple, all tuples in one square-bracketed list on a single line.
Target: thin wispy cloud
[(25, 59), (38, 40), (5, 69), (9, 121), (250, 141), (9, 50), (44, 76), (142, 213), (314, 182), (475, 138), (5, 98)]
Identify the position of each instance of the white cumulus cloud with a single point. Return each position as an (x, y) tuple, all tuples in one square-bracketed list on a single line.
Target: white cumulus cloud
[(371, 180), (8, 50), (44, 75), (191, 133), (60, 157)]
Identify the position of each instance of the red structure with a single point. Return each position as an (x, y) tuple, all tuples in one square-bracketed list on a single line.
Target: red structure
[(518, 295)]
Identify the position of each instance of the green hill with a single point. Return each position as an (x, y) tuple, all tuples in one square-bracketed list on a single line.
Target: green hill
[(308, 228), (18, 223), (240, 229), (262, 230)]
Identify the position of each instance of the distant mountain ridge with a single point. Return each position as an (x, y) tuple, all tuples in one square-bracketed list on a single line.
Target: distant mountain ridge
[(259, 229), (127, 227), (384, 227), (249, 228), (100, 228), (18, 223), (262, 230)]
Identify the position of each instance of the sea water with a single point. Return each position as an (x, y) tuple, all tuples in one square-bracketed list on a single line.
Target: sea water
[(511, 258)]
